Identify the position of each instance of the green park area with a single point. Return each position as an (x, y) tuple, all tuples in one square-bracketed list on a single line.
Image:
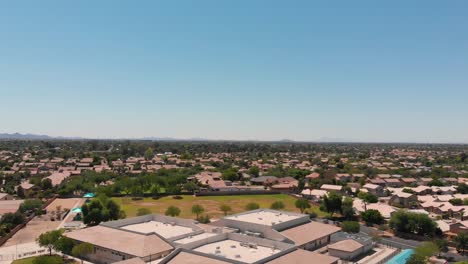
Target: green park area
[(211, 204)]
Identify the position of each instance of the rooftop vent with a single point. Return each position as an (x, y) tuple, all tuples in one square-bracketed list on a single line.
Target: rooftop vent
[(238, 256)]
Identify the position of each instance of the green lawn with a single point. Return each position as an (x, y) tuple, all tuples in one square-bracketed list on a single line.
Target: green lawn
[(210, 203), (46, 259)]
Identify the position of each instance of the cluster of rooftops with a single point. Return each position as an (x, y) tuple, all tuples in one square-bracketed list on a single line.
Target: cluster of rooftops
[(258, 236)]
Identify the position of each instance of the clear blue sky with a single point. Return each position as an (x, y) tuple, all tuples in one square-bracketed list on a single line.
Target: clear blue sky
[(301, 70)]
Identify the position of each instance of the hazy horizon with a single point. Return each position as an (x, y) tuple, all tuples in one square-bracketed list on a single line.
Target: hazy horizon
[(245, 70)]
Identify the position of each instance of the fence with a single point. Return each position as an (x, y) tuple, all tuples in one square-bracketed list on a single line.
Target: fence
[(225, 193), (19, 227)]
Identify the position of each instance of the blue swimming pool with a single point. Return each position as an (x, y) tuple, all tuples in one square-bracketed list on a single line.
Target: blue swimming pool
[(402, 257)]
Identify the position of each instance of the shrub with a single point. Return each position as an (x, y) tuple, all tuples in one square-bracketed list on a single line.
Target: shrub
[(350, 226)]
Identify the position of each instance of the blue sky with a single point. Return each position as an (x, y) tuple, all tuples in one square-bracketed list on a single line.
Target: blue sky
[(301, 70)]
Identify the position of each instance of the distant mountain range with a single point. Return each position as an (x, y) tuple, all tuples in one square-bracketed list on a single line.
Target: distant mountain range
[(22, 136), (31, 136), (320, 140)]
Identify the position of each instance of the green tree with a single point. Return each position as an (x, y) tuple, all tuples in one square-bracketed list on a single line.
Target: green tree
[(423, 252), (82, 249), (278, 205), (372, 216), (46, 184), (456, 201), (462, 188), (50, 239), (332, 203), (65, 245), (461, 241), (114, 210), (416, 259), (20, 192), (102, 208), (32, 205), (143, 211), (12, 219), (368, 197), (172, 211), (302, 204), (197, 210), (190, 187), (225, 208), (442, 245), (350, 226), (252, 206), (414, 223), (149, 153), (347, 209), (230, 174), (254, 170)]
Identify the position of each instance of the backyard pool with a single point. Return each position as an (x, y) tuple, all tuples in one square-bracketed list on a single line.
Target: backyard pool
[(402, 257)]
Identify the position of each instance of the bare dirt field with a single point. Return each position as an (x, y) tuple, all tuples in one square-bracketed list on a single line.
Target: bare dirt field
[(32, 231), (42, 223)]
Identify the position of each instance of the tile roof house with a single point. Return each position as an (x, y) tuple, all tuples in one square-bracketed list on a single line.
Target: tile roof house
[(286, 184), (212, 179), (348, 249), (331, 188), (112, 244), (312, 235)]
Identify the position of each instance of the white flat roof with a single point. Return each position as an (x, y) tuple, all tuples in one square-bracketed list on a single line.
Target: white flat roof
[(232, 249), (190, 239), (165, 230), (268, 218)]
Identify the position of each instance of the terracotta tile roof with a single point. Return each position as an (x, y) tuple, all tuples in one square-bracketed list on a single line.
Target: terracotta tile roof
[(347, 245), (131, 243), (306, 233)]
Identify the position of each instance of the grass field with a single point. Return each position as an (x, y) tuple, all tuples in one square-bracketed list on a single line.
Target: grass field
[(210, 203), (48, 259)]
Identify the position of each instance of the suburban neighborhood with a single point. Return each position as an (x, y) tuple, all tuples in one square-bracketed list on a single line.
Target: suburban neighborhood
[(330, 204)]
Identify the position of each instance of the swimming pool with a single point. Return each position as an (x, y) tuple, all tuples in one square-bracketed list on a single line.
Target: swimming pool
[(402, 257)]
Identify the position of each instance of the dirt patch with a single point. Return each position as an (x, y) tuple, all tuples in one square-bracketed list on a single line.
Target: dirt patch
[(64, 203), (32, 231)]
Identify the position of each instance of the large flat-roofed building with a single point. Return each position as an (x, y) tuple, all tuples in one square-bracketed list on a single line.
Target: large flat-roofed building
[(301, 256), (265, 217), (263, 222), (241, 248), (166, 230), (170, 228), (237, 250), (112, 244), (181, 256), (258, 236), (190, 239)]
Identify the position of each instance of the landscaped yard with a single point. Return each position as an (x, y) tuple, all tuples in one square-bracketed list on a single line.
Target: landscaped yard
[(210, 203)]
